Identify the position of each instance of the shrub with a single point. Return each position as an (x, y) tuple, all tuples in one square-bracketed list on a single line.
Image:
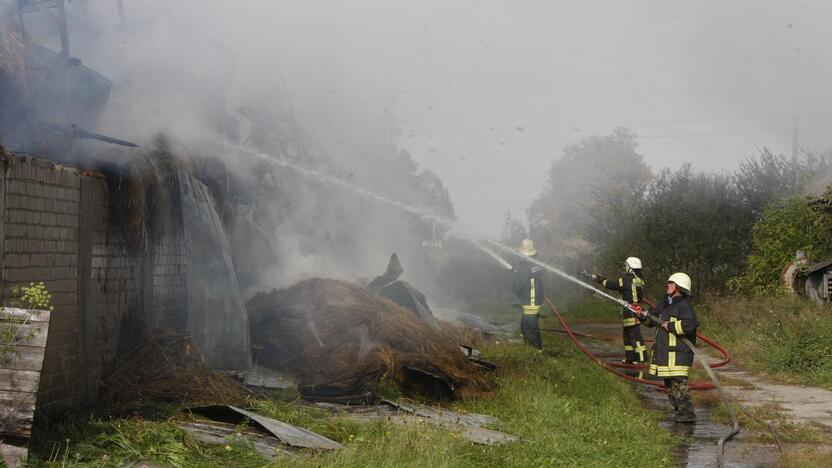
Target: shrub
[(786, 226)]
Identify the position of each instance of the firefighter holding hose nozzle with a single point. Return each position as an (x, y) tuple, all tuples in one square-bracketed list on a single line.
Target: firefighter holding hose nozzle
[(631, 288), (528, 285), (671, 358)]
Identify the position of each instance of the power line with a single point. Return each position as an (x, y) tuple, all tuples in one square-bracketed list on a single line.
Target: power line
[(571, 124), (583, 133)]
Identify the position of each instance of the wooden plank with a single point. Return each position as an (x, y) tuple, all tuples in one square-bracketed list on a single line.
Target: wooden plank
[(38, 332), (17, 410), (41, 316), (13, 456), (25, 358), (19, 380)]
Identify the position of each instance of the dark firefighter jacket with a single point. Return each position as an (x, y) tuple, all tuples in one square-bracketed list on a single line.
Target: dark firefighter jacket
[(528, 285), (631, 288), (671, 357)]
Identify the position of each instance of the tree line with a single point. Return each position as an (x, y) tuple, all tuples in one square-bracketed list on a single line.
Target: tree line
[(729, 230)]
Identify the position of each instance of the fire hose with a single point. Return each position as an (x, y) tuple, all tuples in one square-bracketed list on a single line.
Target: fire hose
[(735, 425)]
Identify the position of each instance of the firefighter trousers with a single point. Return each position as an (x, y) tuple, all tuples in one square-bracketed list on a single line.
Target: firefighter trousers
[(679, 395), (531, 330), (634, 349)]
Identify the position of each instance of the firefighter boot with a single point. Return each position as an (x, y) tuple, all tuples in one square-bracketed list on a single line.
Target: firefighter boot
[(684, 404)]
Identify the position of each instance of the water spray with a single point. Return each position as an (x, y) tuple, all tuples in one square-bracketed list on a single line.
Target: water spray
[(477, 239), (480, 241)]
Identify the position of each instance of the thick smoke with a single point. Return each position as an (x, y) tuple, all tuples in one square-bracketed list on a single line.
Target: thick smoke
[(214, 76)]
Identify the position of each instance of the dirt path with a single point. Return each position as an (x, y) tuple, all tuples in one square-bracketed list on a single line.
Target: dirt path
[(798, 404), (795, 404)]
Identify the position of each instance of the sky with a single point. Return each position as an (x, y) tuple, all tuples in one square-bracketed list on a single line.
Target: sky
[(486, 93)]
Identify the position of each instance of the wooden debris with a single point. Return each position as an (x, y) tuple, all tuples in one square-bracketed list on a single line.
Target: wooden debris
[(20, 369), (13, 456)]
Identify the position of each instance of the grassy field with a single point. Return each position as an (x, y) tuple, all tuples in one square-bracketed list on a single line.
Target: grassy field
[(787, 338), (565, 410)]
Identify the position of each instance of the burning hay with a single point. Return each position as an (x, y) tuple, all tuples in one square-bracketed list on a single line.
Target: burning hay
[(141, 193), (165, 367), (338, 336)]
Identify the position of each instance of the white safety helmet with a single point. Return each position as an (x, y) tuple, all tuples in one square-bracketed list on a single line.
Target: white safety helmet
[(682, 281), (633, 263)]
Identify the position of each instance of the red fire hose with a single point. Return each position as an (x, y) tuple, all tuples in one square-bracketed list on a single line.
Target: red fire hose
[(611, 367)]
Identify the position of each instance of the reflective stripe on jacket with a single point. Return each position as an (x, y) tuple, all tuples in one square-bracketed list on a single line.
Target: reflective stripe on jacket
[(528, 285), (671, 357), (631, 288)]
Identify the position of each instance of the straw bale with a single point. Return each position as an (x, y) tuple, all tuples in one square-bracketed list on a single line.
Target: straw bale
[(328, 332)]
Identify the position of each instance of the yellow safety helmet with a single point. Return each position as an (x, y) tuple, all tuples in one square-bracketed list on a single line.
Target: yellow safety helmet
[(682, 281), (527, 248)]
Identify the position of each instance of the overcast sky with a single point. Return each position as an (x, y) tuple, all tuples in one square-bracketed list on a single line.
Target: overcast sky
[(486, 93)]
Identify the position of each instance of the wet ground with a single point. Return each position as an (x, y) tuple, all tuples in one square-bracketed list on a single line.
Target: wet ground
[(801, 405)]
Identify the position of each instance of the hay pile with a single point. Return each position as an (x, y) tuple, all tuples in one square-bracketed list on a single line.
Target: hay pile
[(333, 333), (161, 366)]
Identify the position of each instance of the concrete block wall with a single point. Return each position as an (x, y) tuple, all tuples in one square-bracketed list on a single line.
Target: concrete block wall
[(169, 297), (40, 204), (55, 228), (111, 284)]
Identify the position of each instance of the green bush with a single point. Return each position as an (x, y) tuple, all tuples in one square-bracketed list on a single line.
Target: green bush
[(786, 226)]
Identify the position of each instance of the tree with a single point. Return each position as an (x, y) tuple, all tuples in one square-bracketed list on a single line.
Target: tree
[(590, 198), (693, 222), (513, 231), (767, 177)]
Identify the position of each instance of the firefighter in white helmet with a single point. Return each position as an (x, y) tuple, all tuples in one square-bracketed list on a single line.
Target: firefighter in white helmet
[(671, 358), (528, 285), (631, 288)]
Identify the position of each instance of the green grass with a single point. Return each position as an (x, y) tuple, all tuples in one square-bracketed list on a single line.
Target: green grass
[(787, 338), (805, 457), (504, 311), (83, 440), (565, 410), (588, 308)]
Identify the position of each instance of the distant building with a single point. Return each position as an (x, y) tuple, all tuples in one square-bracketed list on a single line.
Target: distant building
[(818, 278)]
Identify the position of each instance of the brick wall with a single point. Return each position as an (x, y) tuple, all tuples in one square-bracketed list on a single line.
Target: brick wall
[(54, 228)]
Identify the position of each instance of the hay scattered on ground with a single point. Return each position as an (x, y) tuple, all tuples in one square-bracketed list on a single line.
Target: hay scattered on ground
[(328, 331), (161, 366)]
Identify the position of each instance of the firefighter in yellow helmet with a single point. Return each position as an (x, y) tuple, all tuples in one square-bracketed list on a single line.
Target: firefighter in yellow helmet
[(631, 288), (671, 358), (528, 285)]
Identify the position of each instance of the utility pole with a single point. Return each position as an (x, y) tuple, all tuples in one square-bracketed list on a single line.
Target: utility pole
[(59, 4), (795, 146), (120, 5)]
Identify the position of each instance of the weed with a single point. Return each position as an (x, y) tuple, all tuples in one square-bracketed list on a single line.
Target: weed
[(787, 338), (565, 412)]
